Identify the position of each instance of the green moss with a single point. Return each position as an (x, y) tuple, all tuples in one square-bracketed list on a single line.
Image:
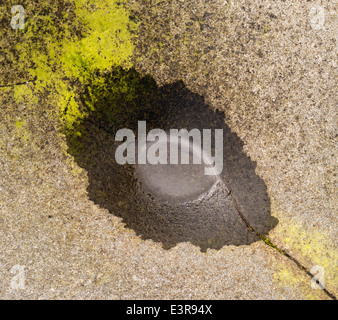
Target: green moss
[(65, 46), (315, 247), (311, 247), (19, 124), (106, 98)]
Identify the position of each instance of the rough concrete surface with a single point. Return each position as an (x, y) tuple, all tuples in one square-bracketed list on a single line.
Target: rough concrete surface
[(272, 71)]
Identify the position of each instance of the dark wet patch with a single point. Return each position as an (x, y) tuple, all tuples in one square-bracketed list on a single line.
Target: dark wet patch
[(210, 222)]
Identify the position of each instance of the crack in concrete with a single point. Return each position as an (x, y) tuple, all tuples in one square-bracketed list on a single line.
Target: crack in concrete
[(267, 241)]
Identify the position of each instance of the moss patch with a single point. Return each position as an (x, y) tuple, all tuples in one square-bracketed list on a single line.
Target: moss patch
[(64, 46), (314, 248)]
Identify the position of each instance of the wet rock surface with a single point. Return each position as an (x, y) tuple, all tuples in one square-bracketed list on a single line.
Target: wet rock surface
[(208, 221)]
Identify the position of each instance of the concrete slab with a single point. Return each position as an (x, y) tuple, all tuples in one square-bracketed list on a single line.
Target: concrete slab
[(271, 69)]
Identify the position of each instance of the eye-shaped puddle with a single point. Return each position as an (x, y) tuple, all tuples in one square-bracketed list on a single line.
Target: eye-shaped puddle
[(170, 203)]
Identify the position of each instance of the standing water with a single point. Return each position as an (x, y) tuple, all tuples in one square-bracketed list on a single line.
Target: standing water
[(172, 203)]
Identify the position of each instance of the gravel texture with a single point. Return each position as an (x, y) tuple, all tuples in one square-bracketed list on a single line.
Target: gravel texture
[(273, 73)]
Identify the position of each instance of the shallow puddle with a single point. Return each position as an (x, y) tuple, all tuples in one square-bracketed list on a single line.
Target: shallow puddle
[(172, 203)]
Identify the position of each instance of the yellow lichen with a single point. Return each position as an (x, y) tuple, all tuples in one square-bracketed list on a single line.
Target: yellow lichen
[(63, 55), (312, 248)]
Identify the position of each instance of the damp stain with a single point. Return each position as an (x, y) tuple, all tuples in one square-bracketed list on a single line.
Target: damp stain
[(169, 204)]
